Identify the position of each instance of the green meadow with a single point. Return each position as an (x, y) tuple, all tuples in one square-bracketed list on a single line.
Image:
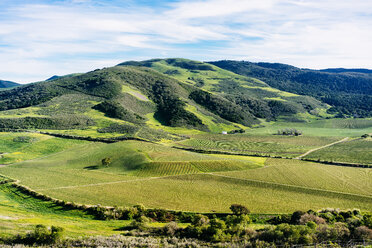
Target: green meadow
[(161, 177)]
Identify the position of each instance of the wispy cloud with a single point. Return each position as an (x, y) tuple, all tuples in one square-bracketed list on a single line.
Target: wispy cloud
[(39, 38)]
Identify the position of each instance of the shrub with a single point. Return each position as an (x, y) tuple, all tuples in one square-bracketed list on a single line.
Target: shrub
[(296, 216), (239, 209), (25, 139), (311, 218), (222, 107), (41, 236), (200, 220), (115, 110), (106, 161), (170, 229), (170, 109), (363, 232), (119, 128)]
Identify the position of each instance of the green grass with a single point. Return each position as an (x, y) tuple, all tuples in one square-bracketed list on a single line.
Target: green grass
[(355, 151), (19, 213), (162, 177), (159, 176), (192, 167), (311, 175), (205, 193), (273, 145), (42, 145), (82, 165), (324, 128)]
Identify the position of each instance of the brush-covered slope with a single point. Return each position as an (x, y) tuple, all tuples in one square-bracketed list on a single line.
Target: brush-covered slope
[(7, 84), (153, 100), (348, 91), (250, 94)]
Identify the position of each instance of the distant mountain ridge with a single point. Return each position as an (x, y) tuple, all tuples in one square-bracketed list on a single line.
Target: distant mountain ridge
[(343, 70), (7, 84), (348, 91)]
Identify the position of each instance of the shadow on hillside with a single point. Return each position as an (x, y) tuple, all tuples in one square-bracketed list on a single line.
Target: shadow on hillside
[(92, 167)]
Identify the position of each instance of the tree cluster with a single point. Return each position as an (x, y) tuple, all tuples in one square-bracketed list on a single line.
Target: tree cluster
[(349, 92), (223, 108)]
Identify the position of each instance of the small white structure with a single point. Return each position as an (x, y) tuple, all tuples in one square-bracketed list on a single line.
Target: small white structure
[(224, 132)]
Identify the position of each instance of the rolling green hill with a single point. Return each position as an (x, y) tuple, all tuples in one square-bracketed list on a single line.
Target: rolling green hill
[(348, 91), (8, 84), (143, 140), (153, 100)]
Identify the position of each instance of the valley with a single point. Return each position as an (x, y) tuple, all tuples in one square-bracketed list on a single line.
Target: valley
[(178, 135)]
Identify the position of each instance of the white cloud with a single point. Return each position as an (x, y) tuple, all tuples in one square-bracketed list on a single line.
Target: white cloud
[(38, 39)]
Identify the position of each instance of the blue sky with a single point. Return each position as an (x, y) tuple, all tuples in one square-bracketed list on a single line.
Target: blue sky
[(40, 38)]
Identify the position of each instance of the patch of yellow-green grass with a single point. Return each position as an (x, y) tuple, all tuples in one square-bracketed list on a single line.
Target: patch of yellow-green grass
[(20, 213), (274, 145), (211, 192), (23, 112), (134, 92), (325, 128), (311, 175), (281, 93), (354, 151), (153, 175), (275, 99), (81, 165), (256, 160), (211, 78), (40, 145)]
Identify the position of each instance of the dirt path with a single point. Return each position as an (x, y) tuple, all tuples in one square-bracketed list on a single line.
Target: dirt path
[(322, 147)]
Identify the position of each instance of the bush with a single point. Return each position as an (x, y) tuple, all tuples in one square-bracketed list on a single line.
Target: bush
[(222, 107), (311, 218), (40, 236), (363, 232), (119, 128), (115, 110), (239, 209), (296, 216), (56, 122), (171, 228), (106, 161)]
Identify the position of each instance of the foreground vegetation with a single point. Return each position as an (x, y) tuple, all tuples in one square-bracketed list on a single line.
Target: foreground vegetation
[(157, 227)]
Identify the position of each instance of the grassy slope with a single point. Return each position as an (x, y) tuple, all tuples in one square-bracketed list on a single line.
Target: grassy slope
[(19, 213), (43, 145), (205, 192), (153, 175), (274, 145), (320, 128), (356, 151), (82, 165)]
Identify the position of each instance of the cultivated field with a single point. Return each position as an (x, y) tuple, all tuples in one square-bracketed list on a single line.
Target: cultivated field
[(269, 145), (161, 177), (355, 151), (321, 128)]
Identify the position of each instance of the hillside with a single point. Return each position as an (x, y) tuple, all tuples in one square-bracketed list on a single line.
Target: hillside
[(151, 100), (348, 91), (253, 95), (7, 84)]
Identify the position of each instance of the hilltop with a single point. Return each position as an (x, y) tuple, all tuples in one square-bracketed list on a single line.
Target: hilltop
[(348, 91), (7, 84), (153, 100)]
